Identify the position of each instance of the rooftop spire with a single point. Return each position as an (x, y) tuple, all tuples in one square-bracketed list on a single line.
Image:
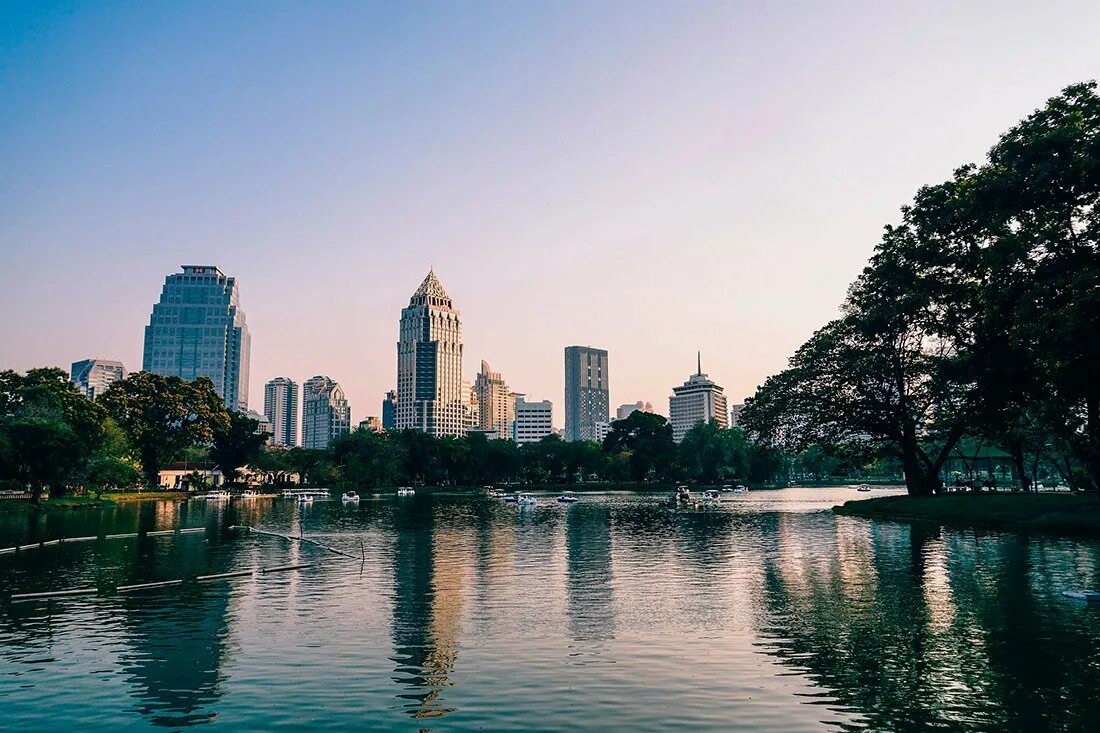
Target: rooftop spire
[(431, 286), (699, 362)]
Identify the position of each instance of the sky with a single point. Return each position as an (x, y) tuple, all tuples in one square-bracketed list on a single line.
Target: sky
[(655, 179)]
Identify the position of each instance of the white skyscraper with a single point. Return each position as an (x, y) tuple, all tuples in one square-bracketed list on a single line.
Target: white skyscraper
[(325, 412), (534, 420), (429, 363), (496, 405), (94, 376), (281, 409), (696, 400)]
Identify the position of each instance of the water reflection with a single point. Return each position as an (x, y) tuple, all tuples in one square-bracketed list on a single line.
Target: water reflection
[(616, 612)]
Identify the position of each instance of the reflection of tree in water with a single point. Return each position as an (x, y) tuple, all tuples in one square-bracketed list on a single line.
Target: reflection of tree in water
[(928, 633), (427, 608), (588, 548)]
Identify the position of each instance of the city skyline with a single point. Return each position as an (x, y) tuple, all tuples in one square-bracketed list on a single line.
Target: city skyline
[(571, 190)]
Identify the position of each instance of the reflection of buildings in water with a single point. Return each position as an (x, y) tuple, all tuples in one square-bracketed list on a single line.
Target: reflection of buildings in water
[(176, 657), (430, 569), (588, 549)]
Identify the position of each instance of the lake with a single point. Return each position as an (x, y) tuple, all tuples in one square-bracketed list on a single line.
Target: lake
[(619, 612)]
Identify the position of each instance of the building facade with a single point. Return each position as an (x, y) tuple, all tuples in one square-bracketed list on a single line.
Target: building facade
[(495, 403), (281, 408), (94, 376), (198, 329), (389, 410), (372, 424), (429, 363), (735, 414), (696, 400), (263, 424), (534, 420), (625, 411), (586, 391), (325, 412)]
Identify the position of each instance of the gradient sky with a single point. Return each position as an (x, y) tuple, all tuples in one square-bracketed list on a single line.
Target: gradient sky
[(652, 179)]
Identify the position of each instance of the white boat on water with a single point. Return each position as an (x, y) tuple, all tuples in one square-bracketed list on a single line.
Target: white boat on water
[(710, 496), (220, 495), (680, 495), (525, 500), (863, 487), (740, 489), (349, 497), (305, 498), (567, 499), (1092, 596), (510, 498), (405, 491), (250, 494)]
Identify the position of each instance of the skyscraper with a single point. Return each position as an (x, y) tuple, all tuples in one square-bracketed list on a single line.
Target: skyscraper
[(94, 376), (281, 409), (389, 410), (696, 400), (325, 412), (534, 420), (625, 411), (586, 391), (496, 405), (198, 330), (429, 363)]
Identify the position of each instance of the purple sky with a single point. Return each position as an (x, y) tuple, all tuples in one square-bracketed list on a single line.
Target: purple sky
[(652, 179)]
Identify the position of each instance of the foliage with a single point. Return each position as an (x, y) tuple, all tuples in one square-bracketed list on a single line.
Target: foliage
[(643, 441), (236, 444)]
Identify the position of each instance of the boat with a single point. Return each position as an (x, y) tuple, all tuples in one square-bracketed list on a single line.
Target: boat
[(305, 498), (1092, 596), (740, 489), (405, 491), (220, 495), (863, 487), (510, 498), (525, 500), (710, 496), (726, 489), (567, 499), (349, 497), (250, 494)]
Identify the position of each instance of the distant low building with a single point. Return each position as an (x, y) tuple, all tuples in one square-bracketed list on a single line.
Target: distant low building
[(94, 376), (696, 401), (190, 476), (534, 420), (625, 411), (372, 423), (264, 427)]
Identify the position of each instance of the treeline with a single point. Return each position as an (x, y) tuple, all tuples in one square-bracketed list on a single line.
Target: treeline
[(53, 439), (977, 318)]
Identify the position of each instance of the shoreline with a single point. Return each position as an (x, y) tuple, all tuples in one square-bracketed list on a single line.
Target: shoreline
[(1063, 514)]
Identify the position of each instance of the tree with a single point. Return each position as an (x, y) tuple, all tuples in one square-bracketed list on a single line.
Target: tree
[(644, 441), (709, 454), (236, 444), (367, 459), (162, 416)]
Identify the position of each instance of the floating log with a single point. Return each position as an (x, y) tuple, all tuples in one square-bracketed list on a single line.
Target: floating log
[(120, 536), (35, 546), (6, 550), (51, 542), (280, 568), (53, 594), (80, 539), (219, 576), (288, 538), (145, 586), (160, 532), (189, 530)]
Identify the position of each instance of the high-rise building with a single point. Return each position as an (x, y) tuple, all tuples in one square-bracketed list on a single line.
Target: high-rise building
[(389, 410), (735, 414), (325, 412), (263, 424), (198, 329), (281, 408), (429, 363), (696, 400), (94, 376), (630, 408), (534, 420), (586, 391), (496, 405), (471, 408), (601, 431)]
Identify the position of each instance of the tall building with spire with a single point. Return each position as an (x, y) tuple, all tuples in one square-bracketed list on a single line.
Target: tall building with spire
[(586, 392), (429, 363), (496, 405), (198, 330), (696, 400)]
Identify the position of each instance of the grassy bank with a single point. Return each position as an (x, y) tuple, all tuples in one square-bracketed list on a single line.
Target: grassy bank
[(1053, 513), (91, 502)]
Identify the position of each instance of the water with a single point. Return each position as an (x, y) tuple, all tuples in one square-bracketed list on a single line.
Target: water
[(615, 613)]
